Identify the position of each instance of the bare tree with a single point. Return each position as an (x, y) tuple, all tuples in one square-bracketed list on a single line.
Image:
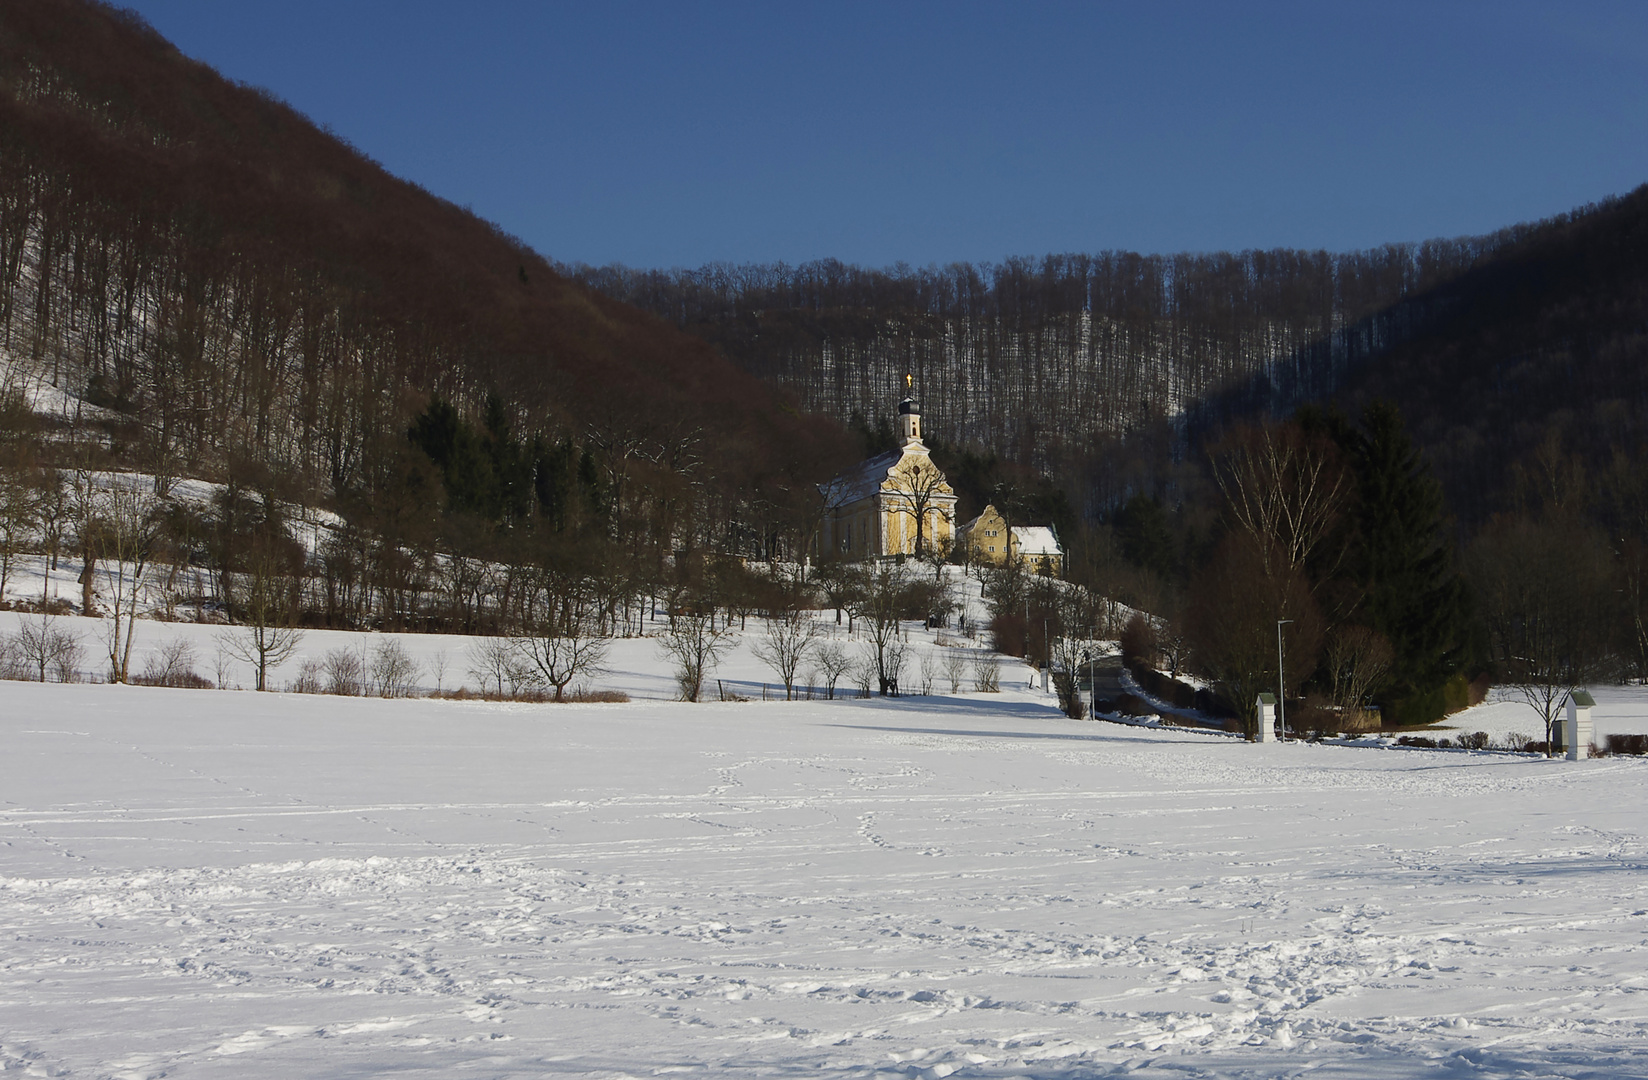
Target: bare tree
[(221, 665), (19, 514), (267, 604), (44, 649), (84, 511), (840, 583), (1358, 659), (394, 673), (863, 673), (895, 658), (1172, 644), (563, 651), (833, 662), (1548, 594), (790, 636), (309, 677), (881, 605), (123, 533), (437, 668), (1283, 490), (492, 663), (54, 514), (1232, 625), (955, 669), (695, 645)]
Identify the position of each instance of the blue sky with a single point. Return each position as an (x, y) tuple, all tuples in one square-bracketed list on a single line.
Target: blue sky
[(675, 134)]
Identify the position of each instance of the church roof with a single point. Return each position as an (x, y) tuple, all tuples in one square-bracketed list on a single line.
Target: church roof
[(860, 482)]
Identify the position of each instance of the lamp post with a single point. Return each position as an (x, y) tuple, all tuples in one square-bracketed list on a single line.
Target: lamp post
[(1087, 658), (1281, 683)]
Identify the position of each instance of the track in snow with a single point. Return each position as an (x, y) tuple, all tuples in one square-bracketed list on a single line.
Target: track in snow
[(229, 884)]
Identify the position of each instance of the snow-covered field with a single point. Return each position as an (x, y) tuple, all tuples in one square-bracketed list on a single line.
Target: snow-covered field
[(213, 883)]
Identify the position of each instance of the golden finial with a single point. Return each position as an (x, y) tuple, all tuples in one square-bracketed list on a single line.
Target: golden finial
[(909, 381)]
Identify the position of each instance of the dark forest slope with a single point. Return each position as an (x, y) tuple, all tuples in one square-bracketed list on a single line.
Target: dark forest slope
[(232, 281), (1547, 338)]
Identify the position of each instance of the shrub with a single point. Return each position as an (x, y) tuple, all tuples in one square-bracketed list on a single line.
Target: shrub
[(532, 695), (1628, 744), (986, 675), (1476, 740), (11, 661), (1133, 705), (1008, 635), (343, 672), (863, 675), (1175, 693), (1211, 704), (927, 669), (394, 674), (1138, 642), (173, 664), (309, 677)]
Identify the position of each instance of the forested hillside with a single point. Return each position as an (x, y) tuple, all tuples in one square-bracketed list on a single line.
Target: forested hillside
[(202, 282), (1102, 368), (1045, 360), (1541, 349)]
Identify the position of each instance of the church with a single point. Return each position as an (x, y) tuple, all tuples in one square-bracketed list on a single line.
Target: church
[(897, 503)]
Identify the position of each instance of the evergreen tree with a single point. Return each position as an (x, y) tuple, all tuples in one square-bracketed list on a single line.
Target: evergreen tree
[(1144, 536), (1404, 561)]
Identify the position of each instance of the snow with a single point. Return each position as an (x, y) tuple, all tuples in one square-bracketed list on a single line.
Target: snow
[(220, 883)]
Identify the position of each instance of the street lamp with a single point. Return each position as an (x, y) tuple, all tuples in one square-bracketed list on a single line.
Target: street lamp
[(1092, 708), (1281, 683)]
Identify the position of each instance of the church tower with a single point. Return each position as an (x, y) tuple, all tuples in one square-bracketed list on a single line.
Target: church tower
[(909, 416)]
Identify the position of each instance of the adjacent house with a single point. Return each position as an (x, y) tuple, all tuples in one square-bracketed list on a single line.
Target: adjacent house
[(989, 539)]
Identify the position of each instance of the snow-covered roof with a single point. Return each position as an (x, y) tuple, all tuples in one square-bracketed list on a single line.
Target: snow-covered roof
[(861, 482), (1034, 540)]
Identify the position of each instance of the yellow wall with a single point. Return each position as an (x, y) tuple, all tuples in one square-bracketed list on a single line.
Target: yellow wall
[(980, 539)]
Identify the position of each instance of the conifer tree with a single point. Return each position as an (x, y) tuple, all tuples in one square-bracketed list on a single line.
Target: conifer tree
[(1404, 560)]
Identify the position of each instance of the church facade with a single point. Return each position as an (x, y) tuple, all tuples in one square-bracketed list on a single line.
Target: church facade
[(897, 503)]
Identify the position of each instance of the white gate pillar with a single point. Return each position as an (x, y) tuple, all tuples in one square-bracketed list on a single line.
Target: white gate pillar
[(1267, 718), (1578, 736)]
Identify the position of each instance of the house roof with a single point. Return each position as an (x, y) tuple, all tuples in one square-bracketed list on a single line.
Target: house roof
[(1035, 540)]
